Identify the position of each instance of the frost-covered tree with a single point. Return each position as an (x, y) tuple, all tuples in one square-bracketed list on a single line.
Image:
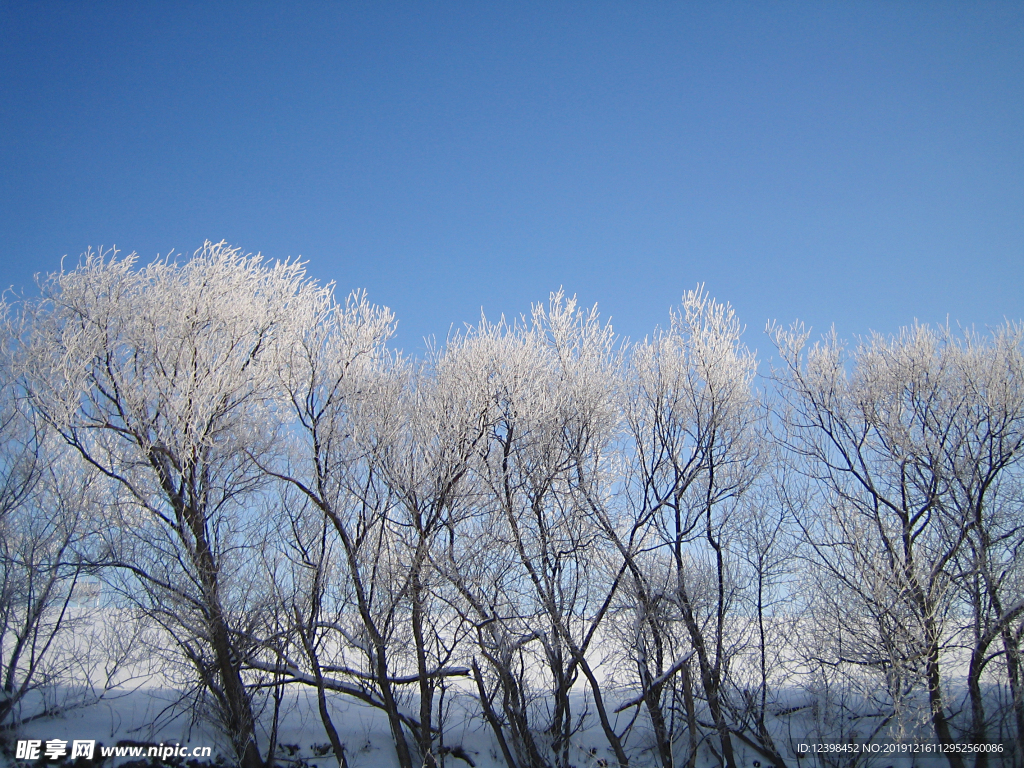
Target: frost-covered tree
[(47, 513), (346, 419), (913, 447), (692, 417), (533, 568), (443, 423), (161, 378)]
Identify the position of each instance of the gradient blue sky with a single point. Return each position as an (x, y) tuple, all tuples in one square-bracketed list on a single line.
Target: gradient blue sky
[(855, 163)]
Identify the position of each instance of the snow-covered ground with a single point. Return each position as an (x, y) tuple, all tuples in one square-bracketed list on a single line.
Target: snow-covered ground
[(149, 715), (138, 704)]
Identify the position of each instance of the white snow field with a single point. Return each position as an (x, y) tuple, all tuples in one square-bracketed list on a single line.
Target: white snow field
[(126, 704)]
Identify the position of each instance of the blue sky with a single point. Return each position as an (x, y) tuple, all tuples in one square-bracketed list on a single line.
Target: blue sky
[(855, 163)]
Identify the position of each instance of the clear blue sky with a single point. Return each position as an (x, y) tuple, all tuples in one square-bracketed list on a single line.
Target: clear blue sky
[(855, 163)]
